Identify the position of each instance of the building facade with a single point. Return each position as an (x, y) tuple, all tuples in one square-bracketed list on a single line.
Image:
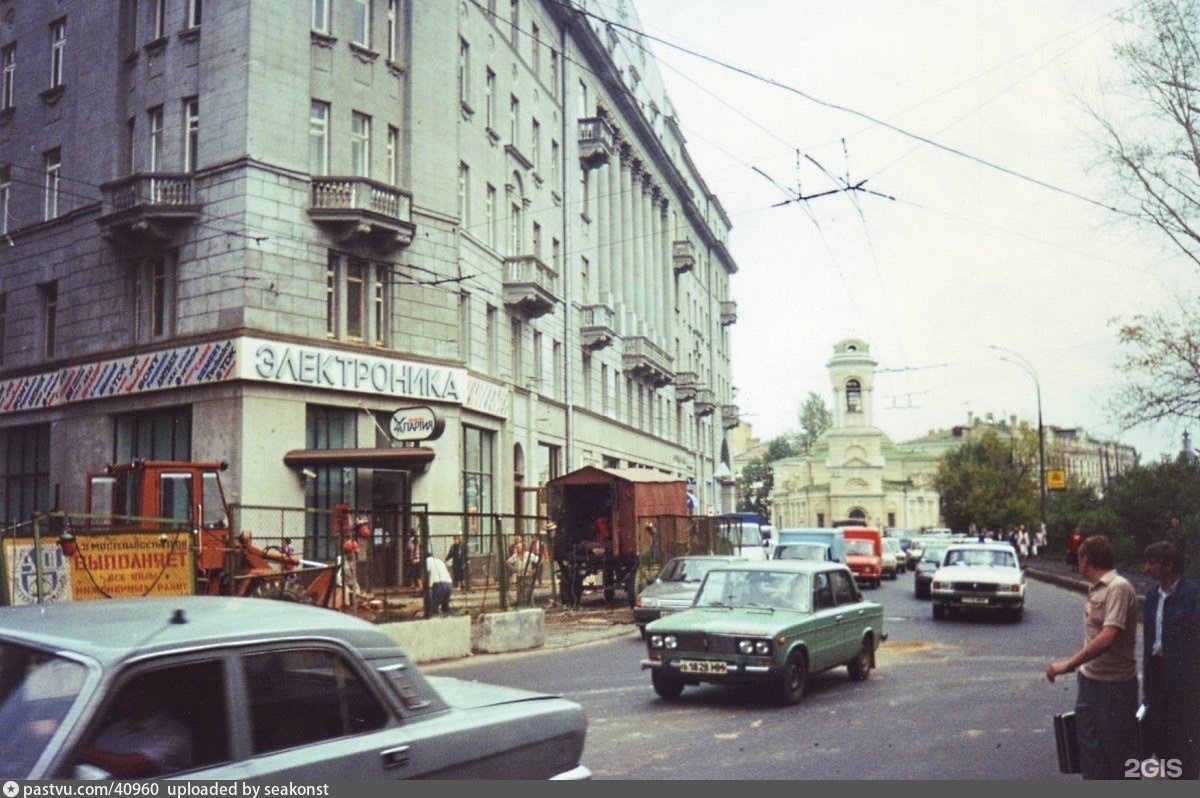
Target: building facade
[(275, 232), (854, 471)]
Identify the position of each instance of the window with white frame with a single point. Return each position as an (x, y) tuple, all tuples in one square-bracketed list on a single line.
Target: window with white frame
[(556, 255), (516, 347), (584, 110), (160, 18), (514, 121), (154, 117), (553, 72), (320, 16), (52, 168), (492, 338), (515, 17), (49, 294), (318, 138), (5, 196), (464, 194), (393, 155), (464, 73), (556, 371), (490, 212), (489, 100), (191, 133), (535, 149), (585, 191), (515, 237), (464, 327), (539, 366), (192, 13), (153, 297), (393, 29), (535, 57), (537, 240), (58, 51), (361, 22), (360, 145), (357, 299), (8, 58), (554, 165)]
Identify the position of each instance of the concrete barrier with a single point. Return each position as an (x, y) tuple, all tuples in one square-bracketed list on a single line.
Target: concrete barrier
[(511, 631), (433, 638)]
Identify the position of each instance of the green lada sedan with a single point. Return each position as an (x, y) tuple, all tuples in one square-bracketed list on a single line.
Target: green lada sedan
[(771, 623)]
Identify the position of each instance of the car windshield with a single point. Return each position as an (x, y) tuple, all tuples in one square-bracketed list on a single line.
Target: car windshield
[(750, 535), (1002, 559), (36, 690), (801, 551), (771, 589), (860, 547), (688, 570), (933, 553)]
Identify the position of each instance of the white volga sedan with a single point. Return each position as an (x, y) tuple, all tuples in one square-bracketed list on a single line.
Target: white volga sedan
[(979, 576)]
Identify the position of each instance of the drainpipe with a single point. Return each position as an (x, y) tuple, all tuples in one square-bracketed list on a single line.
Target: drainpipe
[(568, 372)]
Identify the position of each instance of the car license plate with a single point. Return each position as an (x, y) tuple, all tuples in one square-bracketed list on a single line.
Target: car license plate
[(974, 600), (702, 666)]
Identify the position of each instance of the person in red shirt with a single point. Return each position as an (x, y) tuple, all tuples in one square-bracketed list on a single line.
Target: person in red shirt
[(1073, 544)]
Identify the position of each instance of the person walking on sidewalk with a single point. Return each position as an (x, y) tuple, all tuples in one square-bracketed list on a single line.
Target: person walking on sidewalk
[(1171, 661), (1107, 696), (1073, 544), (440, 585)]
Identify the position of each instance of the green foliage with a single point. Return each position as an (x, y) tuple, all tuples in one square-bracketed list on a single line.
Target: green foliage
[(1145, 499), (755, 483), (815, 419), (991, 481)]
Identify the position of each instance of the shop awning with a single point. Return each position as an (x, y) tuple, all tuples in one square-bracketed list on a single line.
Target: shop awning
[(409, 458)]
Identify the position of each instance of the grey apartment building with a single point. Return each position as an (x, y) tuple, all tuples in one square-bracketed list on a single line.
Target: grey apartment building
[(261, 231)]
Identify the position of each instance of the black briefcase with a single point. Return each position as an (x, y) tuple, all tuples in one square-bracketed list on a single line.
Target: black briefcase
[(1067, 742)]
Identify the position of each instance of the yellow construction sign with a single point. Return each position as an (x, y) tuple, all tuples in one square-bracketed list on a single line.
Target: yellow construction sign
[(1056, 479)]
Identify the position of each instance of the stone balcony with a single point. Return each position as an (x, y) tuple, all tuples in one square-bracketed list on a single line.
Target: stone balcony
[(530, 286), (597, 142), (728, 312), (684, 256), (597, 326), (686, 383), (705, 402), (361, 209), (729, 416), (645, 361), (148, 207)]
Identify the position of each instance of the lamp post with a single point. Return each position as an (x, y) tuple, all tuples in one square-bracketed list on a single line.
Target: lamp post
[(1028, 368)]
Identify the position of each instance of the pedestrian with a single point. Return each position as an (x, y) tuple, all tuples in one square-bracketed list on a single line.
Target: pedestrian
[(1073, 544), (350, 549), (1171, 662), (414, 557), (1107, 695), (1022, 541), (289, 559), (456, 556), (440, 585), (520, 568), (1039, 541), (539, 551)]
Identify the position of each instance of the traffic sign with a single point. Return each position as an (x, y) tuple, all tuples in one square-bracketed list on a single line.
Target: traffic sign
[(1056, 479)]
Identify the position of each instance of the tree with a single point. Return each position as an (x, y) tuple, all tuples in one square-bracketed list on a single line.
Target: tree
[(1154, 154), (757, 479), (990, 481), (815, 418)]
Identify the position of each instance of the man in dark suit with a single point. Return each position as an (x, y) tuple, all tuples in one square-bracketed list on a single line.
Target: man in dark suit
[(1171, 661)]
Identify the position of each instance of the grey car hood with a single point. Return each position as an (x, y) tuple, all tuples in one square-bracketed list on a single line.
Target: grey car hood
[(671, 590), (463, 694)]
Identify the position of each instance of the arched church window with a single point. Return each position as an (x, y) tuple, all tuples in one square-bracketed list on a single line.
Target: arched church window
[(853, 396)]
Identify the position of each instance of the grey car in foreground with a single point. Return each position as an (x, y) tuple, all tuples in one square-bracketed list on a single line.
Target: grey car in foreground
[(238, 688), (676, 586)]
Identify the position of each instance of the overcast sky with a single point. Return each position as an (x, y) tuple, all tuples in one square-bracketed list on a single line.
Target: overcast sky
[(964, 256)]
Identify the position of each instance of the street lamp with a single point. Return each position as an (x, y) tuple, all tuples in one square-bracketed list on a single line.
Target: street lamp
[(1028, 367)]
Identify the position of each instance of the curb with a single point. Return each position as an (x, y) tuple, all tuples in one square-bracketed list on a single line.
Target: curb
[(1068, 582)]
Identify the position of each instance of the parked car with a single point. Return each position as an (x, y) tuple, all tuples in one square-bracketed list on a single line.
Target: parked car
[(893, 557), (926, 567), (241, 688), (769, 623), (815, 552), (979, 576), (675, 587), (865, 558)]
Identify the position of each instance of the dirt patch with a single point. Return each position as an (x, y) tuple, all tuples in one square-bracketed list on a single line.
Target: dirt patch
[(603, 616)]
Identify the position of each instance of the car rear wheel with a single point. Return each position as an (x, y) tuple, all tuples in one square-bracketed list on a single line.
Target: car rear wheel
[(859, 668), (1015, 614), (939, 612), (795, 676), (667, 686)]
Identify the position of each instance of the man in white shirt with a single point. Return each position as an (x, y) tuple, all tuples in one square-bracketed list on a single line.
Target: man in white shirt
[(440, 585)]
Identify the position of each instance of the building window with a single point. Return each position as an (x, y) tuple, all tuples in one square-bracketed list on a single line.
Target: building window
[(49, 292), (320, 16), (58, 52), (393, 155), (464, 194), (554, 165), (584, 109), (585, 185), (3, 325), (328, 428), (535, 150), (164, 434), (535, 57), (556, 255), (515, 17), (155, 117), (853, 396), (514, 120), (52, 167), (537, 240), (24, 471), (490, 211), (464, 73), (549, 462), (360, 145), (154, 294), (356, 299), (5, 196), (489, 100), (492, 341), (130, 155), (479, 446), (517, 343), (160, 18), (191, 133), (192, 14), (553, 72), (556, 371), (361, 27), (318, 138), (393, 30), (514, 230), (539, 365), (8, 57), (464, 327)]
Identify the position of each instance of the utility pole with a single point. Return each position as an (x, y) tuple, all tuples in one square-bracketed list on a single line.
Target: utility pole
[(1029, 369)]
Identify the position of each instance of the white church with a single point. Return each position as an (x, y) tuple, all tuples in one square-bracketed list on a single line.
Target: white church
[(854, 471)]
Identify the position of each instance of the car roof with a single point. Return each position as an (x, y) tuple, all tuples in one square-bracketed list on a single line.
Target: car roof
[(111, 631), (775, 566), (714, 557), (982, 546)]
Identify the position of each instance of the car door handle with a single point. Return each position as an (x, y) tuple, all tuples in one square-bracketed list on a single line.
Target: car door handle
[(838, 617), (395, 757)]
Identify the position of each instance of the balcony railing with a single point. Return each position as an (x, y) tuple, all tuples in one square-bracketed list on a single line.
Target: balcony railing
[(685, 256), (359, 206), (150, 204), (729, 416), (705, 402), (728, 312), (597, 326), (597, 142), (686, 383), (646, 361), (530, 286)]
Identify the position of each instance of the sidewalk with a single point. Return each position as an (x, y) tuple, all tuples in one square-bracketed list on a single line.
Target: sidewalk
[(1055, 570)]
